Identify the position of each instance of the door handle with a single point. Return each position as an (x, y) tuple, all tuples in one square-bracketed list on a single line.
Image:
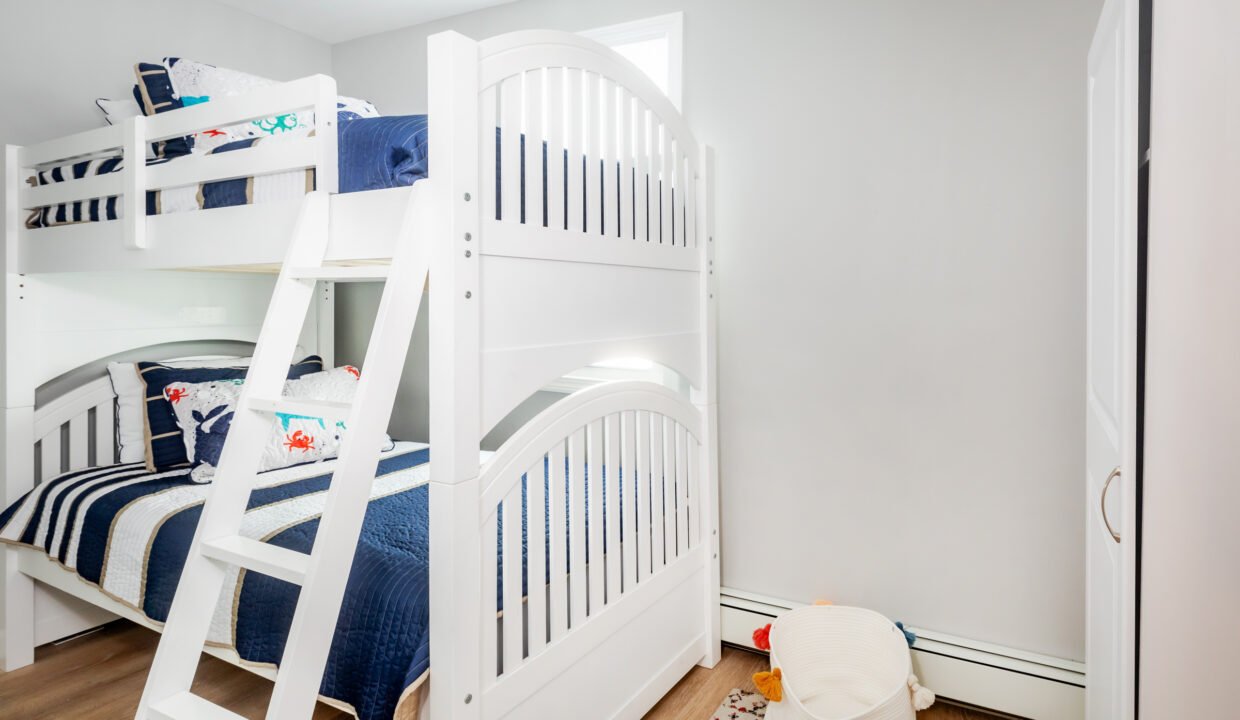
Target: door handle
[(1105, 487)]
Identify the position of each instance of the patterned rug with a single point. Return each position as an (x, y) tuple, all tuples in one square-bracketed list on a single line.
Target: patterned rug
[(741, 705)]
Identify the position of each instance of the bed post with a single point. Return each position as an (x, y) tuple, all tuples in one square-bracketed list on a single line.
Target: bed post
[(455, 407), (16, 429), (707, 403)]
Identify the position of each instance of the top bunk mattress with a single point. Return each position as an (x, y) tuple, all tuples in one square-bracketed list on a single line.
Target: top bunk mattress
[(374, 153)]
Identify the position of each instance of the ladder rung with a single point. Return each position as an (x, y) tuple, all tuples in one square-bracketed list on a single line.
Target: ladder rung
[(188, 706), (329, 411), (268, 559), (359, 273)]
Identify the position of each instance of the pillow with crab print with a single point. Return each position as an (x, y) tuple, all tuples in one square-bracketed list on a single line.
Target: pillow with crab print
[(196, 82), (165, 445), (205, 412)]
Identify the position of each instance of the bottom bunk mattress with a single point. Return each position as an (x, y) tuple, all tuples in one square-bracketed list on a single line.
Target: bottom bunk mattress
[(127, 532)]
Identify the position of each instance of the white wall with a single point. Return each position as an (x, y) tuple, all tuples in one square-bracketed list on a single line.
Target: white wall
[(901, 261), (58, 57), (1190, 540)]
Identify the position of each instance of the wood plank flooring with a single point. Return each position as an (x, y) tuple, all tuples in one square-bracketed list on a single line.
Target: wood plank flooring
[(100, 677), (700, 692)]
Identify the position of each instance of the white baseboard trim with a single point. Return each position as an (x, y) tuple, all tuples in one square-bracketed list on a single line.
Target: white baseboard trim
[(1006, 680)]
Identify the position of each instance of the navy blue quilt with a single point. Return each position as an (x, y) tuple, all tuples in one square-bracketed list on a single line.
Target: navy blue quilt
[(128, 532)]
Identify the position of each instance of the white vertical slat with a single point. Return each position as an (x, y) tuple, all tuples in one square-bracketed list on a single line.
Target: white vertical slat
[(682, 490), (513, 625), (656, 181), (594, 523), (669, 489), (490, 599), (682, 195), (626, 164), (577, 529), (691, 493), (593, 143), (510, 149), (628, 516), (557, 543), (533, 148), (691, 204), (51, 455), (613, 479), (644, 506), (665, 185), (489, 104), (79, 442), (554, 123), (658, 500), (536, 557), (610, 205), (105, 434), (641, 120), (575, 145)]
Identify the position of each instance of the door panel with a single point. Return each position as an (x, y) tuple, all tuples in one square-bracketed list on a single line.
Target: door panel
[(1110, 363)]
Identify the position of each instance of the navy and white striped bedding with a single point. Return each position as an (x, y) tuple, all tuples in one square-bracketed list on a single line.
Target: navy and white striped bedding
[(374, 153), (128, 531)]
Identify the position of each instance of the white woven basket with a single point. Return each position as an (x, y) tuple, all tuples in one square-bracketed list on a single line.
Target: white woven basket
[(843, 663)]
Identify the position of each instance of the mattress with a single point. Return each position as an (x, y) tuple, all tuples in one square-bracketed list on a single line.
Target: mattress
[(374, 153), (127, 532)]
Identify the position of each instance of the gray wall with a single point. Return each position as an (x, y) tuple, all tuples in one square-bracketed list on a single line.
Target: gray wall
[(901, 261), (60, 55), (1190, 540)]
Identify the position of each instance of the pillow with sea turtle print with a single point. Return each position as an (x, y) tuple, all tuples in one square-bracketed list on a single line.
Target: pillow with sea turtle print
[(205, 412)]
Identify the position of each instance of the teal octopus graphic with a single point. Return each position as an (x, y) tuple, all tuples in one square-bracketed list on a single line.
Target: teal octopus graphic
[(277, 123)]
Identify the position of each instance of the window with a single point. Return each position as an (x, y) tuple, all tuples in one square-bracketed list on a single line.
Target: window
[(653, 44)]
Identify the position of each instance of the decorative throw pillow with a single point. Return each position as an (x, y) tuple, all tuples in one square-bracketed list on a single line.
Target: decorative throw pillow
[(205, 411), (155, 94), (165, 446), (131, 396), (116, 112), (194, 82)]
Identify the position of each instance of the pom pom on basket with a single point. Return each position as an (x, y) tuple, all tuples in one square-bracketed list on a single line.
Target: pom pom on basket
[(834, 663)]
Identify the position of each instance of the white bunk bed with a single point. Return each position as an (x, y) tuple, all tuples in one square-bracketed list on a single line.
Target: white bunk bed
[(516, 305)]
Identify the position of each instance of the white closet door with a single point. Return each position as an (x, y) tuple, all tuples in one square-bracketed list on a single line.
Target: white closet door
[(1111, 362)]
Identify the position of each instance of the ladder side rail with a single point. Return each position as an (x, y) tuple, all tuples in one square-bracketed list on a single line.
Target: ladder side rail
[(185, 632), (306, 652)]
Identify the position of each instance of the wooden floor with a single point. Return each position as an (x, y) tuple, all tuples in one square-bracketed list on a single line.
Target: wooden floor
[(100, 677), (701, 691)]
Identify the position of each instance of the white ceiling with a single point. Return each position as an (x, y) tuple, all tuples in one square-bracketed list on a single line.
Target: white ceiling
[(335, 21)]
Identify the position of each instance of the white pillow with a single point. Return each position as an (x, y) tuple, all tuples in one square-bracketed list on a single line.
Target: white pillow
[(131, 394), (205, 411), (195, 83), (116, 112)]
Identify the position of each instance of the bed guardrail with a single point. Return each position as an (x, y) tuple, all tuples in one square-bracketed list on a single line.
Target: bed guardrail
[(602, 492), (130, 139)]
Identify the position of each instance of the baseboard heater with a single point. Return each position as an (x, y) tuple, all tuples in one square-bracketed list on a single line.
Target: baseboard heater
[(1009, 681)]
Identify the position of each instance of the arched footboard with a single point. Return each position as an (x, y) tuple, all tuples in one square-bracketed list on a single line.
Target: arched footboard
[(594, 506)]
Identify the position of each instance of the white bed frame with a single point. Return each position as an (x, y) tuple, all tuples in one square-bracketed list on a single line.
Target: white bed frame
[(516, 306)]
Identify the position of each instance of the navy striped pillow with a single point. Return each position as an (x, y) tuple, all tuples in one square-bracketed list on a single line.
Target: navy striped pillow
[(165, 444), (155, 94)]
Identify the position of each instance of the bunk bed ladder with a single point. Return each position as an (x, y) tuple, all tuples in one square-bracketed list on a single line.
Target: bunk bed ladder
[(218, 544)]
